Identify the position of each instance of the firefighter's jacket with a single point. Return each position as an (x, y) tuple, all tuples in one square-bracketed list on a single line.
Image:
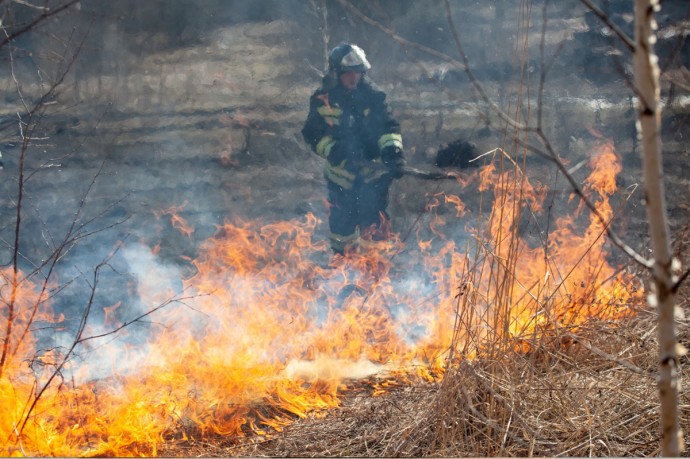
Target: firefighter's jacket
[(357, 121)]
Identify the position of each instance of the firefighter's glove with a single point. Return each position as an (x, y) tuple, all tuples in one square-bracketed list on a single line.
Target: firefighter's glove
[(394, 159), (337, 155)]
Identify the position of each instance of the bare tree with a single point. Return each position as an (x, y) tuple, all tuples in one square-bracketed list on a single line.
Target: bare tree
[(646, 90), (662, 295), (664, 282)]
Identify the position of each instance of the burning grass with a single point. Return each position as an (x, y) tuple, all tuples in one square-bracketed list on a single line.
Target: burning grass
[(455, 345), (594, 394)]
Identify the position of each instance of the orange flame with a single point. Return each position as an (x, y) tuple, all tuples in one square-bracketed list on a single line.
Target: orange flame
[(176, 220), (264, 333), (566, 279)]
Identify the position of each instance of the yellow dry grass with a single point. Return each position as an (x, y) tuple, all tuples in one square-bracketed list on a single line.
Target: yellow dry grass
[(593, 394), (588, 391)]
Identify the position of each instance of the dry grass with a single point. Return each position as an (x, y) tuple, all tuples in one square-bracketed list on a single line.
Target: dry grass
[(588, 390), (590, 395), (586, 393), (363, 426)]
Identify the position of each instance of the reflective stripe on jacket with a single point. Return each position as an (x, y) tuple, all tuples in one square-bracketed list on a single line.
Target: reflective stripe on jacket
[(358, 123)]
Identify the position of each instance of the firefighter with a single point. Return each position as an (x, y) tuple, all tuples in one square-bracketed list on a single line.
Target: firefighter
[(349, 124)]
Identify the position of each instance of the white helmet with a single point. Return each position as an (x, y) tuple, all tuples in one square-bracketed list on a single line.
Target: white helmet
[(347, 57)]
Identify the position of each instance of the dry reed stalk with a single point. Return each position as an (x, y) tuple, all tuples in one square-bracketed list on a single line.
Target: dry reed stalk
[(589, 392), (562, 383), (555, 400), (560, 389), (571, 399)]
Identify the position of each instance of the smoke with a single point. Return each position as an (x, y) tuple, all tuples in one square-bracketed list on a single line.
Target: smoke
[(326, 368), (181, 82), (156, 282), (121, 303)]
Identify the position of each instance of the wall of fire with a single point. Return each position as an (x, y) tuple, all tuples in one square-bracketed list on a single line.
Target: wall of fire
[(200, 110)]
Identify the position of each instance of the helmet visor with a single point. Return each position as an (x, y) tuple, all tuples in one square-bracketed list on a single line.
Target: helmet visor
[(355, 60)]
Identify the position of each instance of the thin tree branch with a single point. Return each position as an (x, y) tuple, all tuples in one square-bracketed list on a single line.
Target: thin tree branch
[(462, 65), (549, 153), (681, 279), (27, 138), (627, 41), (169, 301), (68, 354), (35, 21)]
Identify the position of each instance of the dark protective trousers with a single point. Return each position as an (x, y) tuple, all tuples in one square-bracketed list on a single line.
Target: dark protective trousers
[(359, 209)]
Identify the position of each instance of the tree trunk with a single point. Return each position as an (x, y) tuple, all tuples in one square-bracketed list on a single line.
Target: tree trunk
[(649, 122)]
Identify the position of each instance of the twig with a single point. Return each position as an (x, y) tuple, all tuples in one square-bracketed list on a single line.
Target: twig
[(627, 41), (590, 347), (48, 13), (549, 153)]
